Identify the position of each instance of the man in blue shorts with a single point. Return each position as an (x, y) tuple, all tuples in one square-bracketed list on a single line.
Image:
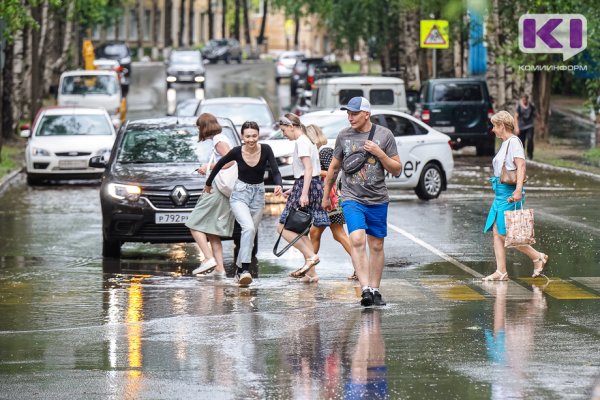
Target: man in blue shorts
[(364, 196)]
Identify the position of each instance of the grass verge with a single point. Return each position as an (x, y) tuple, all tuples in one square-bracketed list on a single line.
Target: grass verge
[(10, 159)]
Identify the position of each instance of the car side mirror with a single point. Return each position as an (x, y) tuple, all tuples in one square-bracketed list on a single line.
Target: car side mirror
[(25, 130), (97, 162)]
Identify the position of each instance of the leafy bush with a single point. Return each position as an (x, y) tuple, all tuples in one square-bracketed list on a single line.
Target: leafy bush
[(593, 156)]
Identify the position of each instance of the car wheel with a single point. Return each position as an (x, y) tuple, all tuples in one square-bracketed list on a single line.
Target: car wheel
[(111, 248), (277, 79), (227, 59), (486, 148), (430, 182), (239, 60)]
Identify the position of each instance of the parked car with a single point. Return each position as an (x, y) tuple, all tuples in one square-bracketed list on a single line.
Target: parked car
[(120, 52), (222, 50), (62, 140), (240, 110), (426, 156), (307, 70), (148, 187), (284, 64), (382, 91), (461, 108), (91, 88), (185, 66)]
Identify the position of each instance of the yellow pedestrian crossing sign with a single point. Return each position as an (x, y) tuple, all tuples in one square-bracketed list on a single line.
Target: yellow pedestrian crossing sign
[(434, 34)]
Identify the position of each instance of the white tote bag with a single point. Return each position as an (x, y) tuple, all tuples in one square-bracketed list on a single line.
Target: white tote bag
[(225, 179)]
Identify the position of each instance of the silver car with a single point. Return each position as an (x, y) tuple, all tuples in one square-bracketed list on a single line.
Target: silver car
[(284, 64)]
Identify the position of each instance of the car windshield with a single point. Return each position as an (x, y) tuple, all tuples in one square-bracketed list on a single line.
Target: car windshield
[(240, 113), (90, 84), (112, 51), (185, 57), (160, 144), (64, 125)]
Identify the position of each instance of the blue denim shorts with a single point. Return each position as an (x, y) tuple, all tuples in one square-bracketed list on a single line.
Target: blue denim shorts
[(372, 218)]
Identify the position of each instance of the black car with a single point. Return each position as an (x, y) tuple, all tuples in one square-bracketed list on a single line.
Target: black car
[(118, 51), (222, 50), (461, 108), (149, 187), (185, 66), (307, 70)]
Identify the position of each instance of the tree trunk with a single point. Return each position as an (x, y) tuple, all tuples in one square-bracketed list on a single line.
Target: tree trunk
[(34, 77), (297, 32), (180, 35), (211, 21), (155, 23), (263, 23), (140, 29), (236, 21), (7, 92), (247, 37), (408, 42), (542, 85), (191, 22), (168, 33), (224, 21), (364, 57)]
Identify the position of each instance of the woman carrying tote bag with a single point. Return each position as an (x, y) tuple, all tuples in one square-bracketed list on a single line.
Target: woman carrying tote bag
[(307, 192), (511, 156), (211, 219)]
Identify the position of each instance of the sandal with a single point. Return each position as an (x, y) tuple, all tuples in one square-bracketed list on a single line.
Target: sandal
[(538, 271), (310, 262), (493, 277), (353, 277)]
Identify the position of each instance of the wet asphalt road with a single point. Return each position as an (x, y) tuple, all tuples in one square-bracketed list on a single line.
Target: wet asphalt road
[(68, 330)]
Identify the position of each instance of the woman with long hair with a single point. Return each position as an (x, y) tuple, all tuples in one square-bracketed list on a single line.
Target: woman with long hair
[(307, 192), (211, 219)]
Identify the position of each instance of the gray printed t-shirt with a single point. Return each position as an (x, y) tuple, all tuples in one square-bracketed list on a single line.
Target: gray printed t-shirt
[(367, 186)]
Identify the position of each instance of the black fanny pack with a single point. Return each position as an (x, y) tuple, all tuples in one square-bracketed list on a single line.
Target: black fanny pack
[(354, 161)]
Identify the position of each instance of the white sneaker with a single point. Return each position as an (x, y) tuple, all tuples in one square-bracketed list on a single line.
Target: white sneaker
[(205, 266), (245, 279), (214, 275)]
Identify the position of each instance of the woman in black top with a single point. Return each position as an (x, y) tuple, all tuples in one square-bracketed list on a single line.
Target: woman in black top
[(248, 197)]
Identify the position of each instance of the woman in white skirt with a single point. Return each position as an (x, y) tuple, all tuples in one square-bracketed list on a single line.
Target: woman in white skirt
[(212, 217)]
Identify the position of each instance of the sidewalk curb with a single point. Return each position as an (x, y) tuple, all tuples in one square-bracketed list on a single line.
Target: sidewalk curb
[(563, 169), (6, 181)]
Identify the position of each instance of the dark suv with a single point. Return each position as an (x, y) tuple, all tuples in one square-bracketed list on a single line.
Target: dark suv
[(222, 49), (148, 187), (307, 70), (460, 108)]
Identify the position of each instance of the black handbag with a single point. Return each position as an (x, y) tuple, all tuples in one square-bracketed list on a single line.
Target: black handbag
[(298, 221), (354, 161)]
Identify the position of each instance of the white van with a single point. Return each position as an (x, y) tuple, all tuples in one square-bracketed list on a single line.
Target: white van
[(381, 91), (91, 88)]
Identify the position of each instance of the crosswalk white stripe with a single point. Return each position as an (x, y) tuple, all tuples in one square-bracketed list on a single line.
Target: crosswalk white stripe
[(435, 251)]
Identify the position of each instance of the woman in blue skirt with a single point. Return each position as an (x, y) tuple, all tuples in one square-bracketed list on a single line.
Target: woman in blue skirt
[(511, 152)]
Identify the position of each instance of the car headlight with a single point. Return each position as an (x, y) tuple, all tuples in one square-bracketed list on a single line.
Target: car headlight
[(285, 160), (124, 192), (171, 79), (199, 78), (126, 60), (36, 151)]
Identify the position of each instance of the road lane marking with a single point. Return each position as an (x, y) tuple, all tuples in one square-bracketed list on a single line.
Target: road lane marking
[(561, 289), (435, 251), (451, 289)]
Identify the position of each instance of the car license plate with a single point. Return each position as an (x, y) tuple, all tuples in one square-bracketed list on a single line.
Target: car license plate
[(171, 217), (444, 129), (72, 164)]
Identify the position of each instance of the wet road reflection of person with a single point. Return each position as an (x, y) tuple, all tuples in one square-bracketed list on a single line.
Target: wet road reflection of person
[(511, 340), (368, 372)]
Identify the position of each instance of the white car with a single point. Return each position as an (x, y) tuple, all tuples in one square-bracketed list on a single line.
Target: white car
[(284, 64), (62, 141), (426, 155)]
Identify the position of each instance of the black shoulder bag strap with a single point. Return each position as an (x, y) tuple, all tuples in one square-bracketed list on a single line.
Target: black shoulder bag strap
[(290, 244), (372, 133)]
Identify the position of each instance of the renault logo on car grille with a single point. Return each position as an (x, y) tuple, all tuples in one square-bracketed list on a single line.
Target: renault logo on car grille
[(179, 195)]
